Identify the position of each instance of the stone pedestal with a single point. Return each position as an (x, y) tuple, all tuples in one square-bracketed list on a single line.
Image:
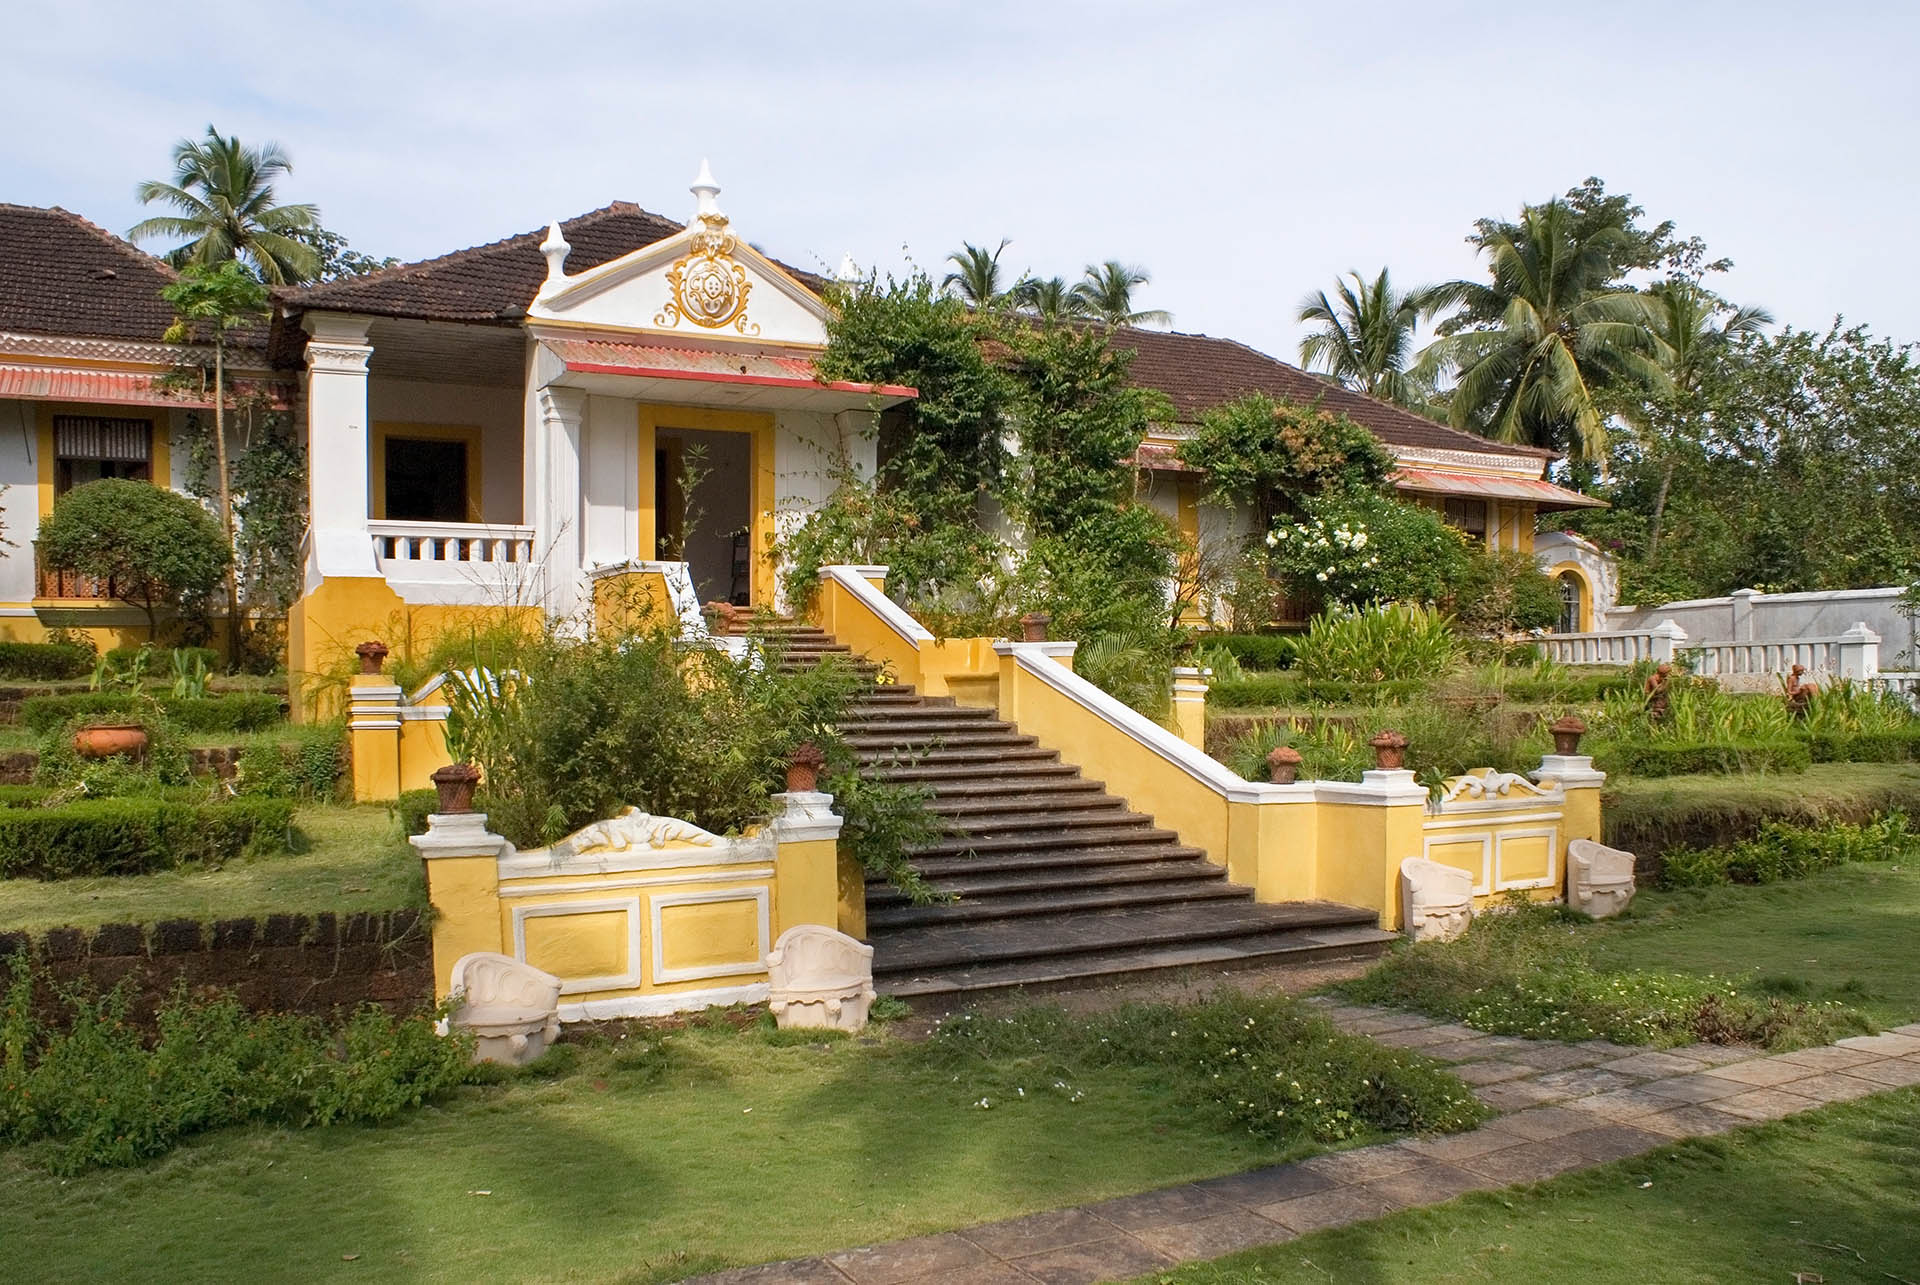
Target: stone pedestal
[(820, 978), (1599, 878), (1436, 900)]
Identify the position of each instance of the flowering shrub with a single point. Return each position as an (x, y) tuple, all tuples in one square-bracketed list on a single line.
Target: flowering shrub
[(1359, 547)]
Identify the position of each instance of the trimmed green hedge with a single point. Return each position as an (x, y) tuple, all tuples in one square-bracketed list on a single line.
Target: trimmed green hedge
[(233, 712), (1254, 651), (44, 660), (1641, 758), (160, 663), (1284, 689), (1572, 689), (415, 806), (1901, 746), (135, 836)]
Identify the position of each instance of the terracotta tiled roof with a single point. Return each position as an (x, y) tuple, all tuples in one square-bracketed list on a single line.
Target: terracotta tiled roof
[(1199, 372), (61, 275)]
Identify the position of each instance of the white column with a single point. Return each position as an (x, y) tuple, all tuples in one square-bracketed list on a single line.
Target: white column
[(1740, 611), (1859, 653), (1667, 639), (337, 455), (559, 529)]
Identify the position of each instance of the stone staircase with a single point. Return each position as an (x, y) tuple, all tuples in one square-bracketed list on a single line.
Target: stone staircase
[(1047, 880)]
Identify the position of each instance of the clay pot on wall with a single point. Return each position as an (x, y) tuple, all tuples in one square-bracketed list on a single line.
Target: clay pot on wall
[(1566, 734), (1389, 751), (373, 656), (803, 768), (109, 739), (1283, 765), (455, 784), (1033, 626)]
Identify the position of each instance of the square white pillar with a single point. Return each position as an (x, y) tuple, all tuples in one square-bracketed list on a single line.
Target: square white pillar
[(337, 452), (559, 512)]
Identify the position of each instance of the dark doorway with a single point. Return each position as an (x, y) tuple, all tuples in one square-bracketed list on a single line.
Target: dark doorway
[(426, 480)]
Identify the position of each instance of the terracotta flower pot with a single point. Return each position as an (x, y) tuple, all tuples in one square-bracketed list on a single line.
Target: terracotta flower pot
[(1283, 765), (455, 784), (803, 768), (1566, 734), (1389, 751), (1033, 626), (107, 740), (373, 656)]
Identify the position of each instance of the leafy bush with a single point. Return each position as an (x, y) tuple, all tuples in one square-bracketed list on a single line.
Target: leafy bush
[(1362, 547), (305, 766), (1503, 591), (1257, 651), (1222, 665), (1130, 668), (1443, 741), (1901, 746), (44, 661), (1377, 643), (232, 712), (1264, 1063), (136, 835), (1663, 758), (123, 658), (155, 546), (1259, 455), (885, 821), (414, 807), (97, 1092), (1789, 852), (1522, 973)]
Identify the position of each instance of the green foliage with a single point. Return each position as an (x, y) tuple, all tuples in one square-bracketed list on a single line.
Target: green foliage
[(122, 664), (1679, 758), (1221, 662), (136, 835), (155, 546), (1257, 651), (1379, 643), (1266, 1064), (1503, 591), (97, 1091), (267, 483), (1444, 739), (885, 820), (306, 765), (1366, 340), (1522, 973), (223, 193), (1362, 547), (1134, 669), (230, 712), (414, 807), (163, 763), (1265, 456), (45, 660), (1781, 851)]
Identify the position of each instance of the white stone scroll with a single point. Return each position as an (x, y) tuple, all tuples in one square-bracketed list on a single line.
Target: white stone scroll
[(1599, 878)]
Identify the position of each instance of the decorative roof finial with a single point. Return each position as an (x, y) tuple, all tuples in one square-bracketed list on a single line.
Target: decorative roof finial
[(848, 271), (704, 190), (555, 247)]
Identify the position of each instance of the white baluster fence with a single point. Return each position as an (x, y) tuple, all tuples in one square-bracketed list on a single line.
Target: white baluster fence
[(1853, 655), (463, 561)]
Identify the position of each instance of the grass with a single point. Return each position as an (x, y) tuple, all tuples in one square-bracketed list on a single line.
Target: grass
[(18, 736), (1844, 935), (651, 1159), (1826, 1196), (345, 859), (1650, 816)]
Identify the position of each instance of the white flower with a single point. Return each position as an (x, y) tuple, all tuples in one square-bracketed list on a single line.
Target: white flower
[(1273, 538), (1321, 576), (1360, 541)]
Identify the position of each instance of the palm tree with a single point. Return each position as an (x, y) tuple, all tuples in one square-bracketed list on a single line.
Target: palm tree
[(223, 192), (1106, 292), (1692, 324), (1050, 299), (1565, 330), (976, 275), (1365, 340)]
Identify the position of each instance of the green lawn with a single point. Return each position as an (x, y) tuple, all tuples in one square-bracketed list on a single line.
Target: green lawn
[(347, 859), (1846, 934), (1830, 1195), (729, 1148)]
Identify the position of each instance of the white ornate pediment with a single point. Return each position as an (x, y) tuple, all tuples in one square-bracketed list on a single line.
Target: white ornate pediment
[(1489, 784), (704, 285)]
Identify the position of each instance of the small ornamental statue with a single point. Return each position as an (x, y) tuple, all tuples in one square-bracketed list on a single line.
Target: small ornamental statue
[(1799, 694), (1658, 701)]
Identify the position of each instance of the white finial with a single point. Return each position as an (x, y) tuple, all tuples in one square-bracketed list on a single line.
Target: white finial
[(848, 269), (704, 190), (555, 247)]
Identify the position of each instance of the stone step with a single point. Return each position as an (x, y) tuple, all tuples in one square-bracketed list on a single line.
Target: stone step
[(1118, 834), (988, 757), (954, 738), (1076, 901), (1020, 816), (993, 789), (992, 771), (1031, 880), (1064, 859), (931, 721), (934, 989), (976, 809)]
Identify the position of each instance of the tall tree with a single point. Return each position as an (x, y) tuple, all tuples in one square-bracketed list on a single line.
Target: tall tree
[(223, 193), (975, 278), (210, 304), (1050, 299), (1106, 292), (1567, 328), (1365, 339)]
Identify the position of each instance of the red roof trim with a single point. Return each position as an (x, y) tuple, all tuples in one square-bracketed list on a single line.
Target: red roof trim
[(1539, 490), (123, 388), (721, 377)]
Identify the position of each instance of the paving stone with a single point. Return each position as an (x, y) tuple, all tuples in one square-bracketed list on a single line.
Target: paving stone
[(1491, 1072), (1887, 1044), (1038, 1233), (1889, 1074), (1517, 1095), (1829, 1058), (1612, 1142), (1334, 1208), (1345, 1013), (1267, 1186), (1691, 1121), (1161, 1208), (1764, 1104), (800, 1271), (1762, 1073), (1389, 1022), (908, 1260), (1608, 1048), (1461, 1146), (1364, 1164), (1481, 1046), (1837, 1086), (1213, 1237), (1703, 1087), (1621, 1104), (1721, 1054), (1120, 1258), (1551, 1056), (1541, 1123), (1911, 1028), (1432, 1184), (979, 1274), (1427, 1039), (1529, 1162), (1654, 1066), (1584, 1082)]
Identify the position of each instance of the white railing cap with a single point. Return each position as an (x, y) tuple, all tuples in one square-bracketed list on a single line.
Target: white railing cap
[(853, 579), (469, 530)]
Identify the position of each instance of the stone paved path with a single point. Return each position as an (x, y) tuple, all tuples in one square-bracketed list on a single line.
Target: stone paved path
[(1562, 1107)]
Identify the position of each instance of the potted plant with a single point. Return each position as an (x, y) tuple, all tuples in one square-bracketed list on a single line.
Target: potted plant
[(105, 740)]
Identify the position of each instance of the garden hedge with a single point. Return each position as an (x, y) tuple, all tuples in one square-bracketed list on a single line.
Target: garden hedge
[(44, 661), (132, 836), (1254, 651), (233, 712), (1571, 689), (1642, 758), (1284, 689), (1902, 746), (160, 663)]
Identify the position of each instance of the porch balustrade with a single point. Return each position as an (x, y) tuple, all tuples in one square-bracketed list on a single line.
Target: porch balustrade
[(422, 547)]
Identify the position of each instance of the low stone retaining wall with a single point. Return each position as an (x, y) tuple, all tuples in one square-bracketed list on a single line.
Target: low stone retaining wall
[(219, 761), (279, 963)]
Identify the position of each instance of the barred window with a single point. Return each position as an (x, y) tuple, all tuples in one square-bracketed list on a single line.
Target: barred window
[(87, 448), (1469, 516)]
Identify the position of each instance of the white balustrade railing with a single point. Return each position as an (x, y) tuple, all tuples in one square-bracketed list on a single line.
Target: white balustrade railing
[(1853, 655), (1722, 659), (1627, 647), (412, 546), (1900, 682)]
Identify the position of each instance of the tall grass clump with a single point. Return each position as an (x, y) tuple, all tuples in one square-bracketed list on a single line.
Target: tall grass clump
[(1781, 851), (1378, 643)]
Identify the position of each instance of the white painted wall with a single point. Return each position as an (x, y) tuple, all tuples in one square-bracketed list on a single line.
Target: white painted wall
[(19, 502), (498, 412), (1750, 616), (610, 482)]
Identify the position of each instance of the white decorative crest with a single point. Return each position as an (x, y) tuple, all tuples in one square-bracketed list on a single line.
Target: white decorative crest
[(1490, 785), (631, 829)]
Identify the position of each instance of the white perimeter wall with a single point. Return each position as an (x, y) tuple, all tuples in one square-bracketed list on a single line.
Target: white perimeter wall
[(1778, 617)]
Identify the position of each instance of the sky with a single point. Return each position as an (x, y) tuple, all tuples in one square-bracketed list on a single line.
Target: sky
[(1245, 154)]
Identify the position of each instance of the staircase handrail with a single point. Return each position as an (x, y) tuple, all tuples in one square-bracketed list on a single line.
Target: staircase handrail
[(854, 579)]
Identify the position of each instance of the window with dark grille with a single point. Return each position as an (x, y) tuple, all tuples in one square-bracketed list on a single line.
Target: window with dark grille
[(1569, 603), (1469, 516), (426, 480), (87, 448)]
